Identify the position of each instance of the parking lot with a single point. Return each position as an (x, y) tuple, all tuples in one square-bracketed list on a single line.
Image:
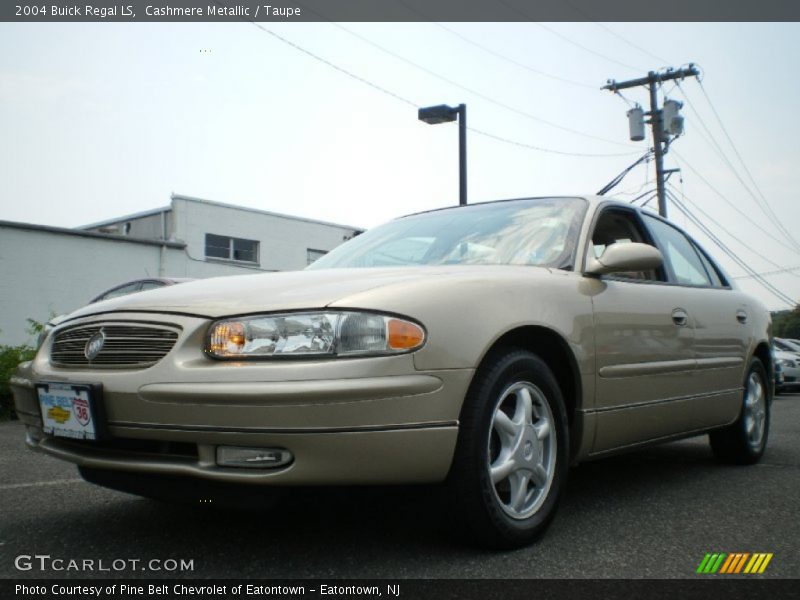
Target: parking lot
[(654, 514)]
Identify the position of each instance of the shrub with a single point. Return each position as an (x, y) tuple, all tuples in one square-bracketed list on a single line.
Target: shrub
[(10, 357)]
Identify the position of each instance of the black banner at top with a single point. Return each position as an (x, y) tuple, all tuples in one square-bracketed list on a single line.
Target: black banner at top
[(397, 10)]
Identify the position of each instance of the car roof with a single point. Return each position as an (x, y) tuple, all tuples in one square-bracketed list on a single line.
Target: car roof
[(592, 199)]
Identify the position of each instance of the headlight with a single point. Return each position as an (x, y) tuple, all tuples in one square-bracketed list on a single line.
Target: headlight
[(314, 334), (785, 362)]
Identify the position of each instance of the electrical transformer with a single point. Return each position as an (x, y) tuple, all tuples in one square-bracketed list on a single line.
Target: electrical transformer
[(636, 123), (673, 121)]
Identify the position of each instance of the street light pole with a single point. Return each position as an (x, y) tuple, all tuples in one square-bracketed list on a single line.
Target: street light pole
[(462, 154), (433, 115)]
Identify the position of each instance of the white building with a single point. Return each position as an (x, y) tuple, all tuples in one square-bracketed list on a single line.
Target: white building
[(51, 270)]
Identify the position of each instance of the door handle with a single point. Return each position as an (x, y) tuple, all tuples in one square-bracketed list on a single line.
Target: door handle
[(679, 317), (741, 316)]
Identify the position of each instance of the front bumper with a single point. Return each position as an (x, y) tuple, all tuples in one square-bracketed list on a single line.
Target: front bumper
[(345, 421)]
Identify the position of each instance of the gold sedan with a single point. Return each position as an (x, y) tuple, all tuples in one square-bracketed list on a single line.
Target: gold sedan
[(488, 347)]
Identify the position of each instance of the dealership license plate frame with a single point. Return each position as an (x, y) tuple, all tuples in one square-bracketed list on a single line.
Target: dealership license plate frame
[(71, 398)]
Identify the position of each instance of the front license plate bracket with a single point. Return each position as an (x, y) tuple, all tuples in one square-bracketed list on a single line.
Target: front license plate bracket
[(72, 410)]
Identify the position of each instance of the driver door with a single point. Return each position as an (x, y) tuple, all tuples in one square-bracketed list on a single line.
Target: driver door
[(643, 341)]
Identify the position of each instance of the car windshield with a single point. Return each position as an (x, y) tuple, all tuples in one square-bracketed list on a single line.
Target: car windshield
[(536, 232)]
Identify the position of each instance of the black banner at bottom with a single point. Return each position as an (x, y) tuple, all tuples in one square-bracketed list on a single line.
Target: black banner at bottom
[(438, 589)]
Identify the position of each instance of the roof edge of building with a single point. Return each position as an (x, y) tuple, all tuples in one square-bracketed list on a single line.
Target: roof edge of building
[(138, 215), (263, 212), (90, 234)]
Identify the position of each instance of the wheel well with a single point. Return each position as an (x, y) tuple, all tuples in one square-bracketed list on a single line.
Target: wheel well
[(555, 352), (764, 354)]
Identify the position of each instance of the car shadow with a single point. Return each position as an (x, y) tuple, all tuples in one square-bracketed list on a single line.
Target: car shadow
[(355, 531)]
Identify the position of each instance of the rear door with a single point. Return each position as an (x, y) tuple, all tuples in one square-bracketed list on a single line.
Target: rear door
[(722, 322)]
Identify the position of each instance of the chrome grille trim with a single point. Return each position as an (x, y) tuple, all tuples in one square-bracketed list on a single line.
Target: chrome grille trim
[(127, 344)]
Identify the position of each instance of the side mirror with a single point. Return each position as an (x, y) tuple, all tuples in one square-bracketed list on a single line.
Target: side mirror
[(622, 257)]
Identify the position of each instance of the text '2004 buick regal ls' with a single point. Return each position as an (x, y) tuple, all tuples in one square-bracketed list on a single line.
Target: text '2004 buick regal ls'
[(487, 347)]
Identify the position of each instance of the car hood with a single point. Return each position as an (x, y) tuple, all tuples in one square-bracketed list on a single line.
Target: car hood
[(291, 290)]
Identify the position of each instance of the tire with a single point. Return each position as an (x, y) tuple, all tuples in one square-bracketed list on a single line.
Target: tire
[(744, 442), (512, 454)]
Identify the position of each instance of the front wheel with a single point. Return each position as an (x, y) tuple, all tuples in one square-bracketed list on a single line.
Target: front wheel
[(512, 453), (745, 440)]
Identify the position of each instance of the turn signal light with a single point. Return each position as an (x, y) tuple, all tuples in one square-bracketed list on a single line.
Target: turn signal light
[(404, 335)]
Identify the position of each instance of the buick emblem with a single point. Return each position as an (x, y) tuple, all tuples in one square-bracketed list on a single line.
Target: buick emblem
[(94, 345)]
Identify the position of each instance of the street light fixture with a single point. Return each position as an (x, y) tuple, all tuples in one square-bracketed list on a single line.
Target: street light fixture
[(433, 115)]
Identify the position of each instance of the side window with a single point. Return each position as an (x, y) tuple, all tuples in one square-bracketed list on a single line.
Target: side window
[(120, 291), (150, 285), (312, 254), (711, 269), (679, 253), (231, 248), (619, 226)]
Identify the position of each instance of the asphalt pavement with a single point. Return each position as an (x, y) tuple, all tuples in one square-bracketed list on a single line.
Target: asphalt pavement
[(650, 514)]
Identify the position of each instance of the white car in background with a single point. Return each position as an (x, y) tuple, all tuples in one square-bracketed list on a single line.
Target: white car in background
[(786, 345), (790, 365)]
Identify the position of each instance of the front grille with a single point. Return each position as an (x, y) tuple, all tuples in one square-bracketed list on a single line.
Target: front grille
[(126, 345)]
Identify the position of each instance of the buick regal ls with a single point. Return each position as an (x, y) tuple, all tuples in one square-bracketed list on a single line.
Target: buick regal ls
[(488, 347)]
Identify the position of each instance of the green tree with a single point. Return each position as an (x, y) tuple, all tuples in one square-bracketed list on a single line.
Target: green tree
[(786, 324), (10, 357)]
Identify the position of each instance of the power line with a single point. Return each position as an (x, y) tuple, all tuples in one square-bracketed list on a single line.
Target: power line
[(540, 149), (721, 154), (723, 229), (683, 163), (649, 199), (616, 180), (728, 252), (631, 44), (710, 140), (473, 91), (699, 224), (635, 189), (400, 98), (767, 273), (767, 285), (582, 47), (650, 193), (530, 19), (334, 66), (515, 62), (588, 17), (495, 53), (744, 165)]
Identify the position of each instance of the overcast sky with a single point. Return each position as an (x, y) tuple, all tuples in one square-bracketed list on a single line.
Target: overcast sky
[(100, 120)]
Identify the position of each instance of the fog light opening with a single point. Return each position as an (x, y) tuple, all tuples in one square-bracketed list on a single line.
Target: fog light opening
[(253, 458)]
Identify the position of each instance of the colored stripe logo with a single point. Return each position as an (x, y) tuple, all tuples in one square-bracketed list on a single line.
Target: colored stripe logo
[(734, 563)]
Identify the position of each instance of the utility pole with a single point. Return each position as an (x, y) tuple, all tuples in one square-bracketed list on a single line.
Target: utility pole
[(660, 140)]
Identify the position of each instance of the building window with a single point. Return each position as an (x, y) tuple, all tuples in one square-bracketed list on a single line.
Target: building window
[(312, 255), (231, 248)]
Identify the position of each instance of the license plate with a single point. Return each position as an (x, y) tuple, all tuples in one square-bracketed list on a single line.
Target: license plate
[(70, 410)]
